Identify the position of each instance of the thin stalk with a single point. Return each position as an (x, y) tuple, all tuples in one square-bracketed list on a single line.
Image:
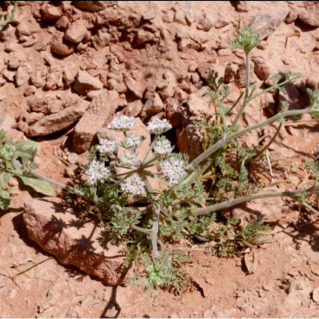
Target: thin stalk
[(150, 148), (266, 146), (235, 104), (207, 210), (156, 215), (52, 181), (246, 96), (223, 142)]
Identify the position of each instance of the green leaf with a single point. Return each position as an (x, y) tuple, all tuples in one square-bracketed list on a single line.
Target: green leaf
[(26, 150), (38, 185), (4, 193)]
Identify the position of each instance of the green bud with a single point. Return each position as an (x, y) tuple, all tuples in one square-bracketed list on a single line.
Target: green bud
[(246, 40)]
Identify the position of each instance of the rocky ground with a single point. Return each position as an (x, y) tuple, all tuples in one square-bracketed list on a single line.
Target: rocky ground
[(69, 66)]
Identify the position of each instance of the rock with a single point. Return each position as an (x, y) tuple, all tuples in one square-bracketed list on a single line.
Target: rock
[(188, 10), (175, 113), (62, 48), (62, 23), (241, 6), (315, 295), (136, 87), (309, 15), (240, 77), (23, 74), (7, 121), (76, 31), (198, 105), (9, 75), (266, 24), (33, 117), (54, 229), (292, 16), (204, 23), (152, 106), (22, 126), (133, 108), (85, 82), (189, 141), (222, 22), (94, 6), (261, 67), (50, 12), (47, 103), (313, 81), (100, 111), (230, 72), (23, 29), (150, 14), (144, 36), (53, 77), (167, 84), (70, 71), (58, 121), (224, 52)]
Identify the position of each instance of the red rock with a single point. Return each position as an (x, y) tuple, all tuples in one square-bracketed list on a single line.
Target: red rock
[(85, 82), (76, 31), (74, 242), (61, 47), (7, 121), (58, 121), (23, 74), (100, 111), (94, 6), (50, 12)]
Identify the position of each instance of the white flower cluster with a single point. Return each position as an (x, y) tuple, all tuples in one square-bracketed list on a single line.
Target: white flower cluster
[(163, 147), (131, 160), (132, 141), (173, 169), (97, 171), (133, 185), (157, 126), (107, 147), (122, 123)]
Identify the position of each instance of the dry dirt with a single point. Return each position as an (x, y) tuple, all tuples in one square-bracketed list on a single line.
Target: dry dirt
[(153, 57)]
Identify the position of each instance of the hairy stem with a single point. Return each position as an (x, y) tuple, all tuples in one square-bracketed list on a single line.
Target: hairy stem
[(246, 96), (222, 142), (156, 215), (52, 181), (230, 203)]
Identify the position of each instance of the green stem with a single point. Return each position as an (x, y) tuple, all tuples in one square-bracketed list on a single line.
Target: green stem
[(150, 148)]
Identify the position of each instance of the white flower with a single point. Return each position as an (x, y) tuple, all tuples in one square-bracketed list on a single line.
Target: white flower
[(163, 147), (132, 141), (131, 160), (134, 185), (107, 147), (122, 123), (97, 171), (157, 126), (173, 169)]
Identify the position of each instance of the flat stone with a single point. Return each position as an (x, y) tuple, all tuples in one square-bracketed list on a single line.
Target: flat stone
[(94, 6), (85, 82), (266, 24), (76, 31), (98, 113), (7, 121), (74, 242), (61, 47), (59, 121)]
